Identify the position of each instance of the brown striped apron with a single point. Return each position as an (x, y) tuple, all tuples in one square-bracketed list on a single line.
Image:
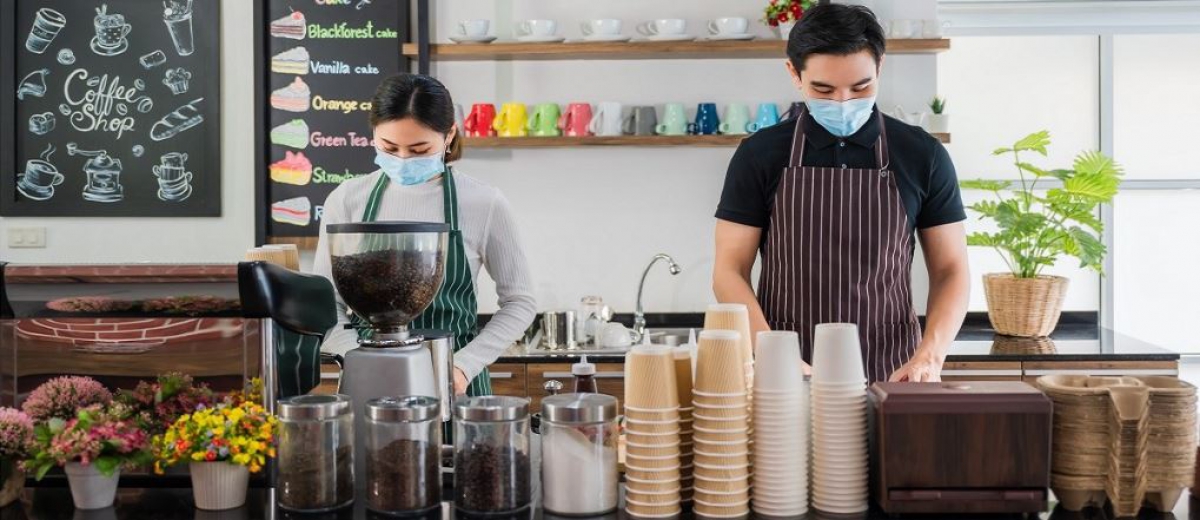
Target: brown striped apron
[(839, 250)]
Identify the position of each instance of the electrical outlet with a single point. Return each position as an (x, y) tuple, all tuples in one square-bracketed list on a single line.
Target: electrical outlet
[(27, 238)]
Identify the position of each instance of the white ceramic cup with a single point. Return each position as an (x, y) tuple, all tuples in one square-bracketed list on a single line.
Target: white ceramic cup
[(728, 26), (606, 121), (663, 27), (904, 28), (536, 28), (601, 27), (474, 28), (837, 357)]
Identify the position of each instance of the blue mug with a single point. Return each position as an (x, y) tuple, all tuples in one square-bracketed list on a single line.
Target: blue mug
[(707, 121), (768, 115)]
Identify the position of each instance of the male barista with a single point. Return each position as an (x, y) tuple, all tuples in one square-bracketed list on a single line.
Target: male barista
[(832, 200)]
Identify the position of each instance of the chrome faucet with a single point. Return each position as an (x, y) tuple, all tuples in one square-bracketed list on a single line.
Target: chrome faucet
[(639, 315)]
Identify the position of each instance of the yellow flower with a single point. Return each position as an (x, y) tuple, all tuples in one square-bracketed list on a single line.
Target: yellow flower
[(198, 456)]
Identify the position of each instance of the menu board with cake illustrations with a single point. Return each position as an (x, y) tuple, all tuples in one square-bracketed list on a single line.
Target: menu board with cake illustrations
[(110, 108), (322, 62)]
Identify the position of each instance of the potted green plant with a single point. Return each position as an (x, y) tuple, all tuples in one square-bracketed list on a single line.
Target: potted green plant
[(16, 439), (92, 448), (222, 446), (1035, 228), (782, 15), (939, 121)]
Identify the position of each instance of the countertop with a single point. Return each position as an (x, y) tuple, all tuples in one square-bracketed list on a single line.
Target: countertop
[(176, 504), (1072, 344)]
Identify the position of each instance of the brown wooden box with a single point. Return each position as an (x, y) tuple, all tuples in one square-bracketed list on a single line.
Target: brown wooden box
[(960, 447)]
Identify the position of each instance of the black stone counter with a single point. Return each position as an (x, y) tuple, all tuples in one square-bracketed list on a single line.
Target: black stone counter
[(176, 504), (1077, 344)]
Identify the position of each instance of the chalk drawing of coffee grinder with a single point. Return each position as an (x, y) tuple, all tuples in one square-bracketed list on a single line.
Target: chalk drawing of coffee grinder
[(103, 175)]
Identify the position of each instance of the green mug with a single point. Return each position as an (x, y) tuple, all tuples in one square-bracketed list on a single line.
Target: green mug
[(737, 120), (544, 121), (674, 120)]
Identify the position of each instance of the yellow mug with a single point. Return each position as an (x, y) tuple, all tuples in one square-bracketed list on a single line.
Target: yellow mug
[(511, 120)]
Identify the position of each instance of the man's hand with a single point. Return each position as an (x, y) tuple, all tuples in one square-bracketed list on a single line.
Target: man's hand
[(924, 367)]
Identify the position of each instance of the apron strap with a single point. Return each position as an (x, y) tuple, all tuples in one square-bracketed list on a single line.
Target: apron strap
[(881, 146), (450, 199), (371, 212), (798, 139)]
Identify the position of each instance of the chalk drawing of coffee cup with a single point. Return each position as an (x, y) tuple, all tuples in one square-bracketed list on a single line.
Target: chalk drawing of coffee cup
[(46, 25), (111, 33), (40, 177)]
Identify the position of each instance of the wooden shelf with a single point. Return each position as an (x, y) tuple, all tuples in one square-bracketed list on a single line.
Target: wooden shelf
[(624, 140), (699, 49)]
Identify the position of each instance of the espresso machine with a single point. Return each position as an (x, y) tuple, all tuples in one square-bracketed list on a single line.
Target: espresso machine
[(388, 273)]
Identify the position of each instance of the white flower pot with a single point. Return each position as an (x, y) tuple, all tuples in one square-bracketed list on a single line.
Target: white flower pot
[(219, 485), (785, 29), (89, 488), (939, 123)]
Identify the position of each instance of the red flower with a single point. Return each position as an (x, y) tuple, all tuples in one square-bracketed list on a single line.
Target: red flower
[(783, 17), (210, 456), (795, 8)]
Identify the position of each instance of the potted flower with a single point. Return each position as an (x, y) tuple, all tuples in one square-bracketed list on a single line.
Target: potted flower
[(61, 397), (92, 448), (16, 440), (939, 121), (222, 446), (1036, 228), (156, 406), (782, 15)]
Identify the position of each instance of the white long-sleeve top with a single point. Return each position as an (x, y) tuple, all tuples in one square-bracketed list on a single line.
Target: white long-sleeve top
[(489, 237)]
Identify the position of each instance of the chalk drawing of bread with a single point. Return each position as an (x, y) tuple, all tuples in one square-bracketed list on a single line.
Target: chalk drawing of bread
[(185, 117)]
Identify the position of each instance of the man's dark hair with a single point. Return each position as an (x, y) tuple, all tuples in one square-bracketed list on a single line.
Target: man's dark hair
[(835, 29)]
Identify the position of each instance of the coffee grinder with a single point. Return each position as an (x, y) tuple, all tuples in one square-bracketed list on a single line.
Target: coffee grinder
[(388, 273)]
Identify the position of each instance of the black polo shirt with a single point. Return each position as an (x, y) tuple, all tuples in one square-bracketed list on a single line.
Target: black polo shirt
[(926, 179)]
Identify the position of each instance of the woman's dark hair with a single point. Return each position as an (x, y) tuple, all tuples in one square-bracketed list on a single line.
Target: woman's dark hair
[(836, 29), (422, 98)]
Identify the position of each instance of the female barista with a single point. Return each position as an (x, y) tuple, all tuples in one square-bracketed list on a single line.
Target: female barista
[(415, 140)]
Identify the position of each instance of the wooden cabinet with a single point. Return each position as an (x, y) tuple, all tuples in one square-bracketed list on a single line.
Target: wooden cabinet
[(508, 379), (981, 371), (330, 373)]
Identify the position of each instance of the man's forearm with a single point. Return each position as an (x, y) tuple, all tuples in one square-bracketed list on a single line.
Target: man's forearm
[(949, 296), (735, 288)]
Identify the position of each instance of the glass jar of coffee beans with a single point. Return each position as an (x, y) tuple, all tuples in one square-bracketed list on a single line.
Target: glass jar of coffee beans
[(403, 446), (492, 468), (316, 453)]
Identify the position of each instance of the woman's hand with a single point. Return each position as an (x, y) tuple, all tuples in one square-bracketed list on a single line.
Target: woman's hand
[(460, 382), (924, 367)]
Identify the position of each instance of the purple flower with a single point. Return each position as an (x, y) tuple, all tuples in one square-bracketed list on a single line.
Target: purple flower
[(62, 396)]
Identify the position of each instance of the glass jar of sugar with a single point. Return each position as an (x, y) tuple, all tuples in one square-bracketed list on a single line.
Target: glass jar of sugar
[(579, 454)]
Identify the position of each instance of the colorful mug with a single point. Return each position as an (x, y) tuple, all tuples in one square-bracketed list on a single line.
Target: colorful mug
[(641, 121), (479, 122), (544, 122), (768, 115), (707, 122), (674, 120), (607, 119), (737, 119), (574, 122), (510, 122)]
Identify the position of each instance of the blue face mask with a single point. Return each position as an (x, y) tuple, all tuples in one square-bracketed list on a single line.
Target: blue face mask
[(410, 171), (841, 118)]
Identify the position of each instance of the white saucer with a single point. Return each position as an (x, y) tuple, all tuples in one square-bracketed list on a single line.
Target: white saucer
[(728, 37), (671, 38), (602, 38), (540, 39), (458, 38)]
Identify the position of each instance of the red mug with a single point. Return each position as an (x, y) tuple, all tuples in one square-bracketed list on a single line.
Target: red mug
[(479, 122), (574, 121)]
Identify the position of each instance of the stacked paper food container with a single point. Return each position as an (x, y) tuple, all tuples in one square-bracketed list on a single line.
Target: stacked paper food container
[(839, 421), (721, 424), (652, 462), (781, 418)]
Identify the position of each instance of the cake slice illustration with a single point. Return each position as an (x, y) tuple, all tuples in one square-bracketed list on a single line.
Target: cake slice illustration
[(293, 134), (294, 168), (291, 61), (297, 211), (292, 98), (292, 26)]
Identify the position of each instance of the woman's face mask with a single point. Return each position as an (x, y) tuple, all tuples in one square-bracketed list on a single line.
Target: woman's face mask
[(410, 153), (411, 170)]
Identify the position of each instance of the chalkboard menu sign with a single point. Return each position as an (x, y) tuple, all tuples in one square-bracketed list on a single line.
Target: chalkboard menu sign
[(322, 61), (110, 108)]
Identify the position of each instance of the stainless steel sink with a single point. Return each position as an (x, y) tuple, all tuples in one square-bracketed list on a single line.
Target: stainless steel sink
[(670, 336)]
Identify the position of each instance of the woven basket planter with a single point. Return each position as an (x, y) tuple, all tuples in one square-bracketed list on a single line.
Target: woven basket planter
[(1027, 307)]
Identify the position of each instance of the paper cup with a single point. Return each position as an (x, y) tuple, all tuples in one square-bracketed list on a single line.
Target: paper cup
[(651, 414), (837, 355), (652, 474), (652, 439), (664, 428), (724, 461), (650, 378), (719, 414), (650, 451), (720, 364), (671, 497), (778, 365), (730, 497), (652, 463), (653, 511), (735, 317), (709, 510)]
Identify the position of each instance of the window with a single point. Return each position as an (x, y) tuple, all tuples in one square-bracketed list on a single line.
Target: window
[(1156, 114)]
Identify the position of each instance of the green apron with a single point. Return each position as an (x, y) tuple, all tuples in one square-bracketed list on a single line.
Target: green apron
[(298, 358), (454, 309)]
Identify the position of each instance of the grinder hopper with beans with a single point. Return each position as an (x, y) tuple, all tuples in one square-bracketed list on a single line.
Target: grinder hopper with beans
[(388, 273)]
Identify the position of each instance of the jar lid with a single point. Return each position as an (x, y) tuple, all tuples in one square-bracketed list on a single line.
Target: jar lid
[(491, 408), (314, 407), (406, 408), (579, 408)]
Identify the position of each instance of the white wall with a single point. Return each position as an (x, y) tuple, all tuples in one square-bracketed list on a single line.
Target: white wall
[(590, 218), (223, 239)]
